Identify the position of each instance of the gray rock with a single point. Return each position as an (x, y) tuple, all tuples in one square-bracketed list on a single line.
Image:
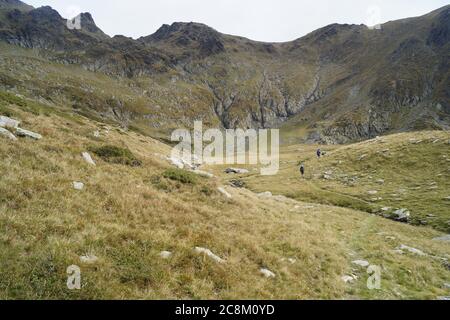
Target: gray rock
[(7, 134), (267, 273), (266, 194), (411, 250), (224, 192), (7, 122), (203, 173), (87, 157), (445, 238), (361, 263), (236, 171), (165, 254), (402, 215), (28, 134), (446, 298), (348, 279), (372, 192), (78, 185), (88, 259), (209, 253)]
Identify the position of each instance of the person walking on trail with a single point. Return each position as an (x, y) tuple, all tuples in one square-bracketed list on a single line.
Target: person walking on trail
[(319, 153), (302, 170)]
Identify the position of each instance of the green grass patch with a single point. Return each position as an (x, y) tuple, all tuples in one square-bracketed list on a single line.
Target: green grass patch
[(180, 175), (117, 155)]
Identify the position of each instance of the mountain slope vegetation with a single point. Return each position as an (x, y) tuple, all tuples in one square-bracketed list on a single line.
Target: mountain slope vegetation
[(337, 84), (116, 227)]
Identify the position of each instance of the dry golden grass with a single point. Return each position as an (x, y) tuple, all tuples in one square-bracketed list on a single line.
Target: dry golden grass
[(125, 219)]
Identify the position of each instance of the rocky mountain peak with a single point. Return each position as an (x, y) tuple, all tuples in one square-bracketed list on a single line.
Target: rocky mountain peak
[(15, 4), (191, 35)]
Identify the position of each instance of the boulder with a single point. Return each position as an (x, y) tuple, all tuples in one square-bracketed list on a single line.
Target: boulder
[(165, 254), (87, 157), (266, 194), (6, 122), (402, 215), (267, 273), (236, 171), (27, 134), (411, 250), (361, 263), (78, 185), (224, 192), (203, 173), (88, 259), (209, 253), (7, 134), (348, 279), (176, 162)]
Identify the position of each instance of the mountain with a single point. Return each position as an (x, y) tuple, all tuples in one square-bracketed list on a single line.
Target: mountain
[(337, 84)]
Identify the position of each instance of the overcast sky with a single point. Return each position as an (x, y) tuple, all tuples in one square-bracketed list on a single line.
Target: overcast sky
[(263, 20)]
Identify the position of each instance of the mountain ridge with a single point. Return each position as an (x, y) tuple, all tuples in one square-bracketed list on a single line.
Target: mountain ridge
[(337, 84)]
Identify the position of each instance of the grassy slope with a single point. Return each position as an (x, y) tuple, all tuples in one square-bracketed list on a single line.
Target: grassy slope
[(414, 166), (125, 219)]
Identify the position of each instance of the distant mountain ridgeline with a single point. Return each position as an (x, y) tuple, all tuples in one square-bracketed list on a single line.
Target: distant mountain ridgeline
[(337, 84)]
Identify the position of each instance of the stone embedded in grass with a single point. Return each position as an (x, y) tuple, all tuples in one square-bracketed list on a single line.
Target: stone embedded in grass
[(236, 171), (87, 157), (97, 134), (380, 181), (402, 215), (28, 134), (78, 185), (446, 298), (266, 194), (267, 273), (209, 253), (116, 155), (203, 174), (224, 192), (165, 254), (348, 279), (176, 162), (361, 263), (411, 250), (362, 157), (88, 259), (7, 134), (445, 238), (7, 122), (372, 192), (290, 260)]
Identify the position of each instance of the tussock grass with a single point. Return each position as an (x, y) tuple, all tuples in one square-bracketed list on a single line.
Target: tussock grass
[(114, 154), (126, 221)]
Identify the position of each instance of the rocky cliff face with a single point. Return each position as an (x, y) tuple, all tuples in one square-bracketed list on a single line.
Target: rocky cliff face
[(339, 83)]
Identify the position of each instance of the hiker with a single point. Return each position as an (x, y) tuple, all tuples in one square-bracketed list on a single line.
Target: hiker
[(302, 170), (319, 153)]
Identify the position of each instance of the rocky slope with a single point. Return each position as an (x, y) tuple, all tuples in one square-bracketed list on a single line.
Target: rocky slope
[(337, 84)]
